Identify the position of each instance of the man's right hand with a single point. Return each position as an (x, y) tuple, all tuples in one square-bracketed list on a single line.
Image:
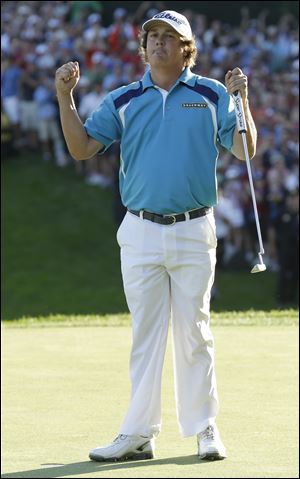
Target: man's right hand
[(67, 77)]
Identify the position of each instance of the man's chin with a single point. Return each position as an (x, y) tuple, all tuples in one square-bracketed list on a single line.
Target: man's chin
[(158, 60)]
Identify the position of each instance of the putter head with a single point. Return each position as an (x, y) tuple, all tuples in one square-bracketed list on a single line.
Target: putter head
[(258, 268)]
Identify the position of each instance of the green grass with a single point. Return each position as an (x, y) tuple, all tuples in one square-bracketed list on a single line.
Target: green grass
[(65, 390), (59, 249), (288, 317), (60, 255)]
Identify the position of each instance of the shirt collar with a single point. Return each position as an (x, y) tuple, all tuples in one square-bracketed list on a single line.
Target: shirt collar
[(147, 80), (186, 77)]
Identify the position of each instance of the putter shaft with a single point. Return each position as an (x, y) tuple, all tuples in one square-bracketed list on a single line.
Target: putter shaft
[(261, 250), (242, 129)]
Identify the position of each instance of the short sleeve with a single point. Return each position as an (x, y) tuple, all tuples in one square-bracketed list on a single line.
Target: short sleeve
[(226, 119), (104, 124)]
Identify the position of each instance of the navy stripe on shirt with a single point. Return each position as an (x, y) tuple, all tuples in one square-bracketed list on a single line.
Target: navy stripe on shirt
[(205, 91), (126, 97)]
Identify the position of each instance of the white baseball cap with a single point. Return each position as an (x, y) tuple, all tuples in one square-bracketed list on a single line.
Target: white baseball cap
[(174, 19)]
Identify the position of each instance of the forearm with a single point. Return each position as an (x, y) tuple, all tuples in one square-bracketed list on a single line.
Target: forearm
[(73, 129), (251, 136)]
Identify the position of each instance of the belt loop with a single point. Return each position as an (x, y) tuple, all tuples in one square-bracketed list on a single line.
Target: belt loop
[(187, 215), (142, 214)]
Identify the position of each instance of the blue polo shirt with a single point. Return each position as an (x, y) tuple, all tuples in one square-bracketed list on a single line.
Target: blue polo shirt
[(169, 140)]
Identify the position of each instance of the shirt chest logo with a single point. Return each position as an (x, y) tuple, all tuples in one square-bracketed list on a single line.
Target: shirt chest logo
[(194, 105)]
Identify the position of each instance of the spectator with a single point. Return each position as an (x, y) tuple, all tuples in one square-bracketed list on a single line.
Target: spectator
[(7, 149), (48, 126), (98, 170), (10, 95), (229, 222), (120, 31), (28, 84), (287, 229), (114, 79)]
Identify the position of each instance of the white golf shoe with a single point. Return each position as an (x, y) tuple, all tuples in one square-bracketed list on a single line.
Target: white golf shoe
[(125, 448), (210, 446)]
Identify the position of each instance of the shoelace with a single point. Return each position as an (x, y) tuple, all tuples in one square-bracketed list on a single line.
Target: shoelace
[(120, 437), (209, 433)]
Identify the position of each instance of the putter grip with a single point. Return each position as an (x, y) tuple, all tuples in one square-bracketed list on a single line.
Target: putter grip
[(239, 112)]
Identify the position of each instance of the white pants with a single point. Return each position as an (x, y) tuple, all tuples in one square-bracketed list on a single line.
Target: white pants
[(164, 269)]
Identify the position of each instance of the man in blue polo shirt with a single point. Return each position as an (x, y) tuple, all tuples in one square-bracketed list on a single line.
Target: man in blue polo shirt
[(170, 124)]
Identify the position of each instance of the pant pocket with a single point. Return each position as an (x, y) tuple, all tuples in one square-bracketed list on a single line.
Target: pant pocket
[(120, 230), (212, 227)]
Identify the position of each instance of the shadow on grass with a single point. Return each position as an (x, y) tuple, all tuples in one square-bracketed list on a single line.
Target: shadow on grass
[(88, 467)]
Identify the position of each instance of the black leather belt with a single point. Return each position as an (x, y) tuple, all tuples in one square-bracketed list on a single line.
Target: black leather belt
[(171, 219)]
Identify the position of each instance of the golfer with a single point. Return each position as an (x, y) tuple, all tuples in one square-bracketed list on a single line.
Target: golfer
[(170, 124)]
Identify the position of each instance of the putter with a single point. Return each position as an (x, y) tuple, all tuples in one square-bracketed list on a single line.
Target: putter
[(242, 129)]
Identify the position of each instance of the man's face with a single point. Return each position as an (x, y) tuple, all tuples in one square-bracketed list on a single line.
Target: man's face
[(164, 47)]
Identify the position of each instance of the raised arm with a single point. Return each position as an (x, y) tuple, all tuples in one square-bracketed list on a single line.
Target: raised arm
[(80, 145)]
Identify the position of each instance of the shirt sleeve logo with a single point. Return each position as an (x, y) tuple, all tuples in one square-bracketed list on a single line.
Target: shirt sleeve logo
[(194, 105)]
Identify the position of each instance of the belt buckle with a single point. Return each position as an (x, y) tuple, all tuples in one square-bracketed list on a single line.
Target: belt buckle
[(173, 218)]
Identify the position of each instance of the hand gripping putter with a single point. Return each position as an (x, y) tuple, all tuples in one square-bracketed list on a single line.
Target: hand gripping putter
[(242, 129)]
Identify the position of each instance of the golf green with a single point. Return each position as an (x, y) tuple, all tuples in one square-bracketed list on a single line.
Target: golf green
[(65, 390)]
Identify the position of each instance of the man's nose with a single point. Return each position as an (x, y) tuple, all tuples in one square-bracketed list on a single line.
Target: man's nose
[(159, 41)]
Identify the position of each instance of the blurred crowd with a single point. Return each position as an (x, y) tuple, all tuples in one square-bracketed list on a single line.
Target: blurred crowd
[(39, 36)]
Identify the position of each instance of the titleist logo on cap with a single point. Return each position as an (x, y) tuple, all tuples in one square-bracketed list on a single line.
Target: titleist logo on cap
[(170, 17)]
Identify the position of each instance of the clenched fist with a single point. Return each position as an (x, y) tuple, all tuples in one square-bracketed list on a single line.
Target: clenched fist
[(236, 80), (66, 77)]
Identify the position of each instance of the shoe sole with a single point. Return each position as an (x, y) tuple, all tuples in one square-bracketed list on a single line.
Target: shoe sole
[(212, 456), (127, 457)]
